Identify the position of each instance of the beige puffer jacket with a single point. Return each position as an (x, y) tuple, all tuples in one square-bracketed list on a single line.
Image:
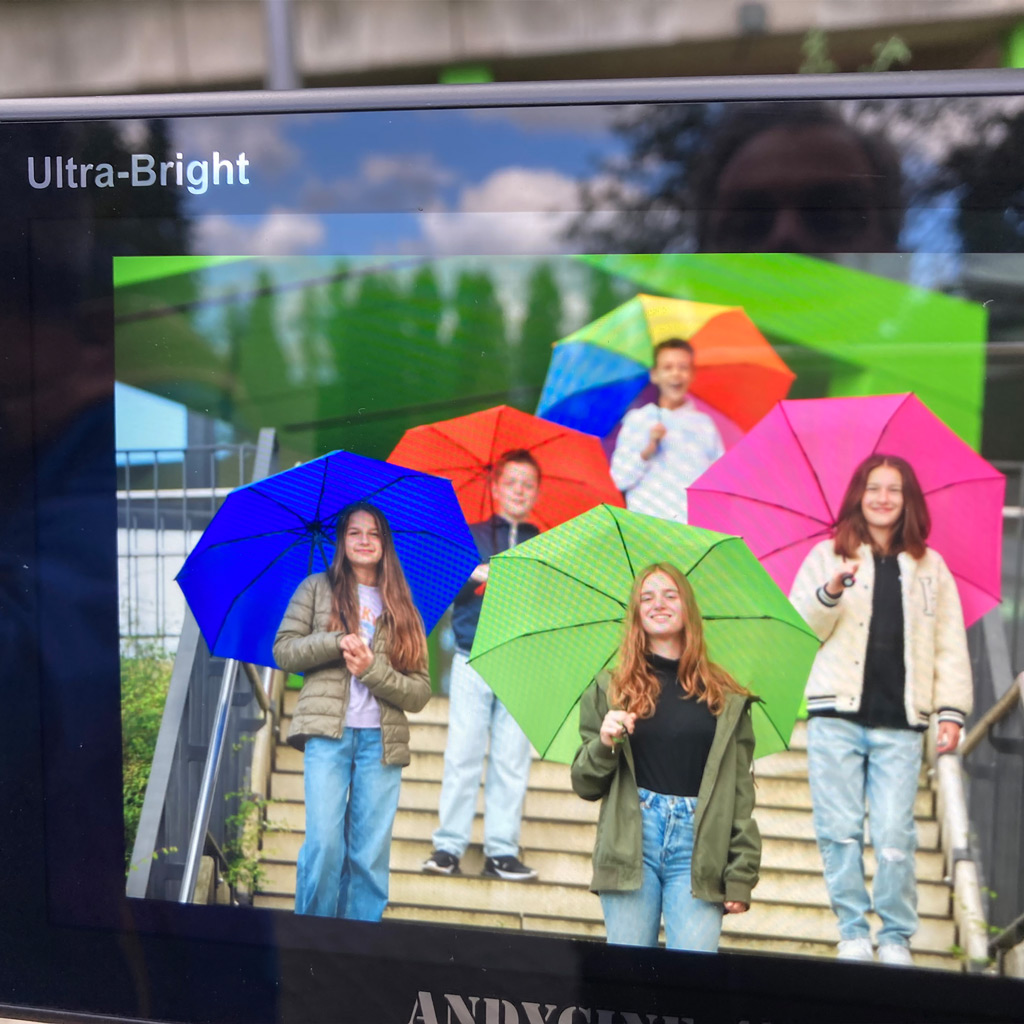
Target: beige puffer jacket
[(304, 644)]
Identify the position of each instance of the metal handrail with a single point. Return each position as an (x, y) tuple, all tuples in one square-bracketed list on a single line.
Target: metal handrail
[(211, 767), (1009, 700)]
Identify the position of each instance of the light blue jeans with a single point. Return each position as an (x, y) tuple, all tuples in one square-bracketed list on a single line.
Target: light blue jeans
[(632, 918), (854, 770), (475, 716), (351, 800)]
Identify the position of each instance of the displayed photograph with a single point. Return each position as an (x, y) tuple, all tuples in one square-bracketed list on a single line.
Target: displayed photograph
[(624, 597)]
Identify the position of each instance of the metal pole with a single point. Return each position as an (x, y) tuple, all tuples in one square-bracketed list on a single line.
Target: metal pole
[(281, 72), (200, 823), (1018, 581)]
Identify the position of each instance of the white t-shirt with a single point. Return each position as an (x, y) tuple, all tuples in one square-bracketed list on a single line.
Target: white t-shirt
[(657, 486), (363, 709)]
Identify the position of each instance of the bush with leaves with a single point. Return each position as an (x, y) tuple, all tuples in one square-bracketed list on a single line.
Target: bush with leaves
[(145, 677)]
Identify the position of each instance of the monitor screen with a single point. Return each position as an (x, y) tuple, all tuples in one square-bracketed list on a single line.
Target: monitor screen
[(377, 465)]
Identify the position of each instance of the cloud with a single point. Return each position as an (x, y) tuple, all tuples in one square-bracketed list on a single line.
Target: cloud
[(279, 233), (515, 210), (260, 138), (382, 182)]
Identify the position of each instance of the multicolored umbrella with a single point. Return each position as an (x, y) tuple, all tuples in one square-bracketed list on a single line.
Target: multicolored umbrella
[(598, 370), (574, 469), (269, 535), (780, 488), (553, 617)]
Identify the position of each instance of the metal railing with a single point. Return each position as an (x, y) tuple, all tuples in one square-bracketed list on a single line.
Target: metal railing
[(211, 709), (991, 758), (166, 497)]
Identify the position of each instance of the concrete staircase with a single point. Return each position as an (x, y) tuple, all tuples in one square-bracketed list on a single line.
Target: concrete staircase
[(790, 914)]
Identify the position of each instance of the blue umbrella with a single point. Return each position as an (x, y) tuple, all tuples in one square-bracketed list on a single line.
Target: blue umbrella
[(269, 535)]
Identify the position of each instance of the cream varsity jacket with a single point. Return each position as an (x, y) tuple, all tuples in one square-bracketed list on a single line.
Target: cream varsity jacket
[(938, 670)]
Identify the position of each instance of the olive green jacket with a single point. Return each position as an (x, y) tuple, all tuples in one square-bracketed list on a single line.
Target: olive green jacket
[(304, 644), (727, 843)]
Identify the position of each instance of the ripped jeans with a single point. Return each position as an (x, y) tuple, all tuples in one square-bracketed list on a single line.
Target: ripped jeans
[(853, 770)]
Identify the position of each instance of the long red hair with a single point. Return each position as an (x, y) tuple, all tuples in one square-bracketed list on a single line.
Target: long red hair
[(634, 686), (407, 642), (913, 526)]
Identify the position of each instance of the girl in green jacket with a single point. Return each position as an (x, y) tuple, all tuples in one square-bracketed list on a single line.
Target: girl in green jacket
[(667, 747), (355, 632)]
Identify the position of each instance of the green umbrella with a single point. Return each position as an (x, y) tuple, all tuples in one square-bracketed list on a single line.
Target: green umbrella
[(554, 609)]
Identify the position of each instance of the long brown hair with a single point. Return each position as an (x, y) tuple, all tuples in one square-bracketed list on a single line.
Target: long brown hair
[(407, 643), (913, 526), (634, 686)]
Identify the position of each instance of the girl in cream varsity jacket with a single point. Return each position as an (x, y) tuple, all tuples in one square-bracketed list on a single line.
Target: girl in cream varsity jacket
[(893, 654), (937, 666)]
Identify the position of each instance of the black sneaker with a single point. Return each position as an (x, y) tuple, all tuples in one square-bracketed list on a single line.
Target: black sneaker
[(441, 862), (510, 869)]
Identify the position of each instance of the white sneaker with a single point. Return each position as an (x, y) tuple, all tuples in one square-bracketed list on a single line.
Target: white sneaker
[(895, 955), (855, 949)]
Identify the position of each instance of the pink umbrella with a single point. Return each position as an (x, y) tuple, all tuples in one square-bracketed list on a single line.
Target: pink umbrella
[(781, 486)]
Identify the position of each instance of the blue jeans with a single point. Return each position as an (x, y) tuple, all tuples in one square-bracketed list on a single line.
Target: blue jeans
[(632, 918), (351, 800), (854, 769), (476, 716)]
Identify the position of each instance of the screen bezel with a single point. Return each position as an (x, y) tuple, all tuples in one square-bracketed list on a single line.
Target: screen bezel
[(162, 940)]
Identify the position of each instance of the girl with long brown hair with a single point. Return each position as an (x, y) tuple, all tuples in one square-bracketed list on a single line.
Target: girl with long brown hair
[(667, 746), (894, 654), (355, 633)]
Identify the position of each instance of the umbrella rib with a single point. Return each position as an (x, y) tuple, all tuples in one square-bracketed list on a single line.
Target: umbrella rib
[(323, 554), (572, 706), (258, 576), (562, 572), (391, 483), (775, 728), (320, 496), (248, 536), (760, 618), (793, 543), (958, 483), (451, 440), (708, 551), (762, 501), (810, 466), (280, 504), (984, 590), (625, 550), (552, 629), (885, 426)]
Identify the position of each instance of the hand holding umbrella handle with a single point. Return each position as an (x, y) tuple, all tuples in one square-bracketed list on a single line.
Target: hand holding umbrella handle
[(844, 577), (616, 726)]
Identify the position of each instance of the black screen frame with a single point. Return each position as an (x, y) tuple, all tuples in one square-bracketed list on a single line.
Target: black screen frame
[(130, 959)]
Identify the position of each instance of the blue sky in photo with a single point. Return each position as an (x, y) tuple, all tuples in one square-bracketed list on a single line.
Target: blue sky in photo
[(145, 420)]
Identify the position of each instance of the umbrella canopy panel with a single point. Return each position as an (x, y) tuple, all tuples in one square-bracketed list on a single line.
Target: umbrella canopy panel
[(268, 536), (574, 470), (554, 612), (598, 370), (781, 486)]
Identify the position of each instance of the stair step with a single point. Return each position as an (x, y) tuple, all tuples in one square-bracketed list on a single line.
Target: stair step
[(797, 855), (428, 766), (560, 898), (558, 801), (575, 835)]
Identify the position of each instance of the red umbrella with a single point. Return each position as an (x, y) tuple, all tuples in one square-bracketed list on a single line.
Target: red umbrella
[(781, 486), (574, 469)]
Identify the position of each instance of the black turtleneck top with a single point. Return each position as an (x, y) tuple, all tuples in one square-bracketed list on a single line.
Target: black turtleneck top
[(671, 748)]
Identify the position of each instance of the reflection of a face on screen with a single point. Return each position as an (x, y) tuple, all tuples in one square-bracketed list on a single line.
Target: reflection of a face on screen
[(498, 299)]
